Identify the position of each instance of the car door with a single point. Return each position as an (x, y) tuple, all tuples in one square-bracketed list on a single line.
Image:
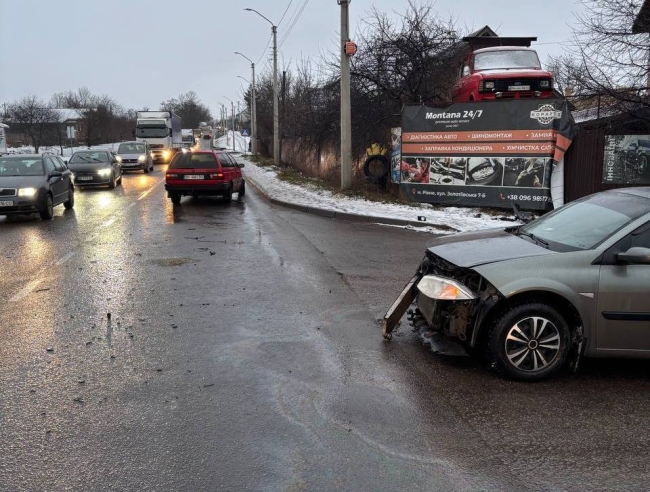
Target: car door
[(623, 326), (237, 176), (228, 169), (115, 164), (67, 176), (57, 183)]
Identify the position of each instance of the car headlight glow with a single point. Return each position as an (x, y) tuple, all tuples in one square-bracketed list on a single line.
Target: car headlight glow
[(27, 192), (104, 172), (166, 154), (444, 289), (489, 84), (141, 158)]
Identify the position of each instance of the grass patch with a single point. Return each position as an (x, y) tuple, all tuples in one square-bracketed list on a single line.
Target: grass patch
[(261, 160), (293, 176)]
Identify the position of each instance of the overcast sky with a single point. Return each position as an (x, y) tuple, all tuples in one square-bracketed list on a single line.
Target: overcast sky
[(141, 52)]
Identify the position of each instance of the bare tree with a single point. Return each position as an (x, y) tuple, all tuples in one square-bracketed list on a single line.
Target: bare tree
[(35, 118), (610, 59), (190, 109)]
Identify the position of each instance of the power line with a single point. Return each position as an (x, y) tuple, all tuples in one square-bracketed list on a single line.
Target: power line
[(295, 21), (285, 12)]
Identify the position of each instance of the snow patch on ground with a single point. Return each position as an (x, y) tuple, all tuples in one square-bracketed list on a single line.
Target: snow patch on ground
[(225, 142), (67, 151), (460, 219)]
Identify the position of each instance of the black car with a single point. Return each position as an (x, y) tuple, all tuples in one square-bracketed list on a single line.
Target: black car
[(96, 168), (34, 183)]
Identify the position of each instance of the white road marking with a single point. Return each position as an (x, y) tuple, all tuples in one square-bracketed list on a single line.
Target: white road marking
[(65, 258), (145, 193), (109, 222), (26, 290)]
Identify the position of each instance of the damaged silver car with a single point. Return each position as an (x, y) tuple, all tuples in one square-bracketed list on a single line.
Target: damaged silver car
[(536, 297)]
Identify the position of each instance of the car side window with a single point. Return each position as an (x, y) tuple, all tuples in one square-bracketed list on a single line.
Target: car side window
[(641, 240), (225, 160), (59, 165), (49, 165)]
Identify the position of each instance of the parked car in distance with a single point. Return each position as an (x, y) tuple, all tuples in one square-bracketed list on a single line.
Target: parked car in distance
[(636, 153), (204, 173), (502, 72), (534, 297), (32, 183), (135, 156), (96, 168)]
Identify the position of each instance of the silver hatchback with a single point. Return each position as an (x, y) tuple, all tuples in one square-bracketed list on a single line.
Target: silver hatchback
[(536, 297), (135, 156)]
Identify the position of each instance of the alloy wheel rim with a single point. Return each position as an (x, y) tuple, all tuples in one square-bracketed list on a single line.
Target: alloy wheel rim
[(643, 163), (532, 344)]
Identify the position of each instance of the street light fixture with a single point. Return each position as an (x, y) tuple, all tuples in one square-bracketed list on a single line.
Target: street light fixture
[(276, 121), (253, 106)]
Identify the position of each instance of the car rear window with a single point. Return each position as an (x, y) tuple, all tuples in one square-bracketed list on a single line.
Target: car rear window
[(187, 160)]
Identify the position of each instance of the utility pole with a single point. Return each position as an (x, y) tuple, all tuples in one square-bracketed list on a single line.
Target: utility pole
[(281, 126), (276, 124), (233, 126), (346, 112)]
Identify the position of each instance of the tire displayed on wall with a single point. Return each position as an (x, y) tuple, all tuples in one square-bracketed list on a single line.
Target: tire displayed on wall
[(376, 158)]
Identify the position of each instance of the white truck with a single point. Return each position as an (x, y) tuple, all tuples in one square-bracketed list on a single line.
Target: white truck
[(162, 131)]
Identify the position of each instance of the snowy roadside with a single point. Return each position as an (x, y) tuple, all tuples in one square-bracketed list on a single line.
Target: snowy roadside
[(438, 220), (67, 151)]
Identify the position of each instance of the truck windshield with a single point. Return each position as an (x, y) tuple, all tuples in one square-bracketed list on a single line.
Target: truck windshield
[(491, 60), (146, 131)]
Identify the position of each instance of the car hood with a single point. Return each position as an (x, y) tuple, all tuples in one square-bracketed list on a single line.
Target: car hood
[(88, 167), (514, 73), (471, 249), (20, 181), (131, 156)]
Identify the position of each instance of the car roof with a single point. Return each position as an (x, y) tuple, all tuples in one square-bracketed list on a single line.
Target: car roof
[(642, 191), (505, 48), (23, 156)]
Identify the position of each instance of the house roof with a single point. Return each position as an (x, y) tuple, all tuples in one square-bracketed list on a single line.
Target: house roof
[(66, 114), (642, 22)]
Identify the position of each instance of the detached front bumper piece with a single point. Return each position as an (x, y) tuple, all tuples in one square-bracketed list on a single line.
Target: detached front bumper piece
[(399, 307)]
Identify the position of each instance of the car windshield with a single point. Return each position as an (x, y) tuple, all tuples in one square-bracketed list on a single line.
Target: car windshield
[(491, 60), (151, 130), (586, 223), (131, 148), (23, 166), (86, 157), (188, 160)]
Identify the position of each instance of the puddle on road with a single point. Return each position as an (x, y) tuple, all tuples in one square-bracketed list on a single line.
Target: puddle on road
[(172, 262)]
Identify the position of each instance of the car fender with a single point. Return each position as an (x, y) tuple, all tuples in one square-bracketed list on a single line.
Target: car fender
[(584, 303)]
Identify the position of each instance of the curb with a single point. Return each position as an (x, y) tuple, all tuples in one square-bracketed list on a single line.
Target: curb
[(331, 214)]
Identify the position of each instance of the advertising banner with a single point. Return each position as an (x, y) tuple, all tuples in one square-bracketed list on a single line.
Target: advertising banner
[(627, 160), (490, 153), (395, 154)]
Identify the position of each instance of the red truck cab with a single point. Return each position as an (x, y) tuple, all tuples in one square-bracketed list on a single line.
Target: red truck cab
[(502, 72)]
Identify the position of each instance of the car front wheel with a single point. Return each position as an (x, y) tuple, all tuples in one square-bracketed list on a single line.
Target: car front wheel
[(47, 212), (528, 342)]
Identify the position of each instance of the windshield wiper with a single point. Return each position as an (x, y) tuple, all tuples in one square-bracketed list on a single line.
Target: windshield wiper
[(532, 236)]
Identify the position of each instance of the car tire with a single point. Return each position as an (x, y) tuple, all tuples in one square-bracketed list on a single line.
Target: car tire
[(227, 196), (146, 168), (47, 212), (528, 342), (70, 203), (176, 199), (242, 189), (119, 182), (112, 183)]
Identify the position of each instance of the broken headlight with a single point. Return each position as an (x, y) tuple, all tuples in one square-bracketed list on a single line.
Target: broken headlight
[(444, 289)]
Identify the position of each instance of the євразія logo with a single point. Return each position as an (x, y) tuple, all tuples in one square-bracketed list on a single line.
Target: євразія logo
[(545, 114)]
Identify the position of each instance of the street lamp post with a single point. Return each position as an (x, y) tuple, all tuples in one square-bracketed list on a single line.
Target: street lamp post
[(276, 121), (232, 104), (253, 107), (251, 115)]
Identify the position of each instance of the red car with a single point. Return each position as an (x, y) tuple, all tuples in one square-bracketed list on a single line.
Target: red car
[(204, 173), (502, 72)]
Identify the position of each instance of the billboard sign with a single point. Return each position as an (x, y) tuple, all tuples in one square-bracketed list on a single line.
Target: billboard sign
[(627, 160), (489, 153)]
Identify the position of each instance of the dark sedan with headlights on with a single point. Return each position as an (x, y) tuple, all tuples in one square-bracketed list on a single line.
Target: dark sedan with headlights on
[(96, 168), (34, 184), (534, 298)]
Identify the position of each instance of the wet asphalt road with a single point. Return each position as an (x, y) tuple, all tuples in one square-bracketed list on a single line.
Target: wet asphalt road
[(243, 352)]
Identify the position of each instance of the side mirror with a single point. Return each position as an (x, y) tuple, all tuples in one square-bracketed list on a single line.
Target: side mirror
[(635, 256), (241, 164), (466, 71), (56, 174)]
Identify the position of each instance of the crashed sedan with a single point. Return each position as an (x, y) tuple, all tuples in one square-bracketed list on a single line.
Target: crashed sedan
[(536, 297)]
